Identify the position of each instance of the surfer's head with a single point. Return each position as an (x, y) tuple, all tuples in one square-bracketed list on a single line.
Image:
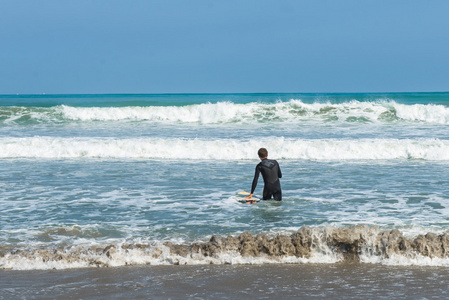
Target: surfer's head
[(263, 153)]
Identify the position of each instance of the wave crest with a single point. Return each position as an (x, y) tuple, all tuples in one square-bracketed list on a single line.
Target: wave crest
[(292, 111), (228, 112), (308, 245)]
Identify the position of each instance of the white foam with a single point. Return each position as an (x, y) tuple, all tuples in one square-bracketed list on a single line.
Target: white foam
[(157, 254), (203, 113), (161, 255), (429, 113), (225, 112), (413, 259), (228, 112), (228, 149)]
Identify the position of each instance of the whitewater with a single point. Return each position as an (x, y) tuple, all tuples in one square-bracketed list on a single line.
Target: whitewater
[(229, 112), (223, 149), (113, 180)]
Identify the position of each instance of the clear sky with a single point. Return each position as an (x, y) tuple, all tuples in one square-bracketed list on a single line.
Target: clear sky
[(211, 46)]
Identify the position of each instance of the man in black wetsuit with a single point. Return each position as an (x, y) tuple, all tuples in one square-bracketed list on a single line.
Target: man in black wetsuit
[(271, 172)]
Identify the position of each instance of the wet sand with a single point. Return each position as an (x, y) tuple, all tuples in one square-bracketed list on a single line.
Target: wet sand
[(336, 281)]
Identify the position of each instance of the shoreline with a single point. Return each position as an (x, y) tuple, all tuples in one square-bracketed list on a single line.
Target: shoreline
[(342, 280)]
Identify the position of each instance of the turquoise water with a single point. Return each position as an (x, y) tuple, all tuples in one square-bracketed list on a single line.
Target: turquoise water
[(83, 170), (108, 100)]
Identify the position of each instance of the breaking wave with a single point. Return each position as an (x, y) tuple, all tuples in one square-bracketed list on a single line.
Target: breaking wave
[(228, 112), (354, 244), (223, 149)]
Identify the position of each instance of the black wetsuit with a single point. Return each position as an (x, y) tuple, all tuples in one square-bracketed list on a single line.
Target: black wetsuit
[(271, 172)]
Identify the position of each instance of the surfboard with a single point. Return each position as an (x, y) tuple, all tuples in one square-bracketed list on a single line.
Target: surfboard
[(240, 197)]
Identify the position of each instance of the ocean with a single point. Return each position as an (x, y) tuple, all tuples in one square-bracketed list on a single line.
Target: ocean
[(147, 182)]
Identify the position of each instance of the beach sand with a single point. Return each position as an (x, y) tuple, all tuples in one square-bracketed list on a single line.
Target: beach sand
[(336, 281)]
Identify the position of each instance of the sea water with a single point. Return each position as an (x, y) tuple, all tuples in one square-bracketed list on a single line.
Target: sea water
[(79, 173)]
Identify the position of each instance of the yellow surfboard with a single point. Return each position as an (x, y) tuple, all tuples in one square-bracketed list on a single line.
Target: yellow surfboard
[(241, 197)]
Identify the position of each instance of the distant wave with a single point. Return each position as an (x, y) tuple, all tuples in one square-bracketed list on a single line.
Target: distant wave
[(224, 149), (228, 112), (308, 245)]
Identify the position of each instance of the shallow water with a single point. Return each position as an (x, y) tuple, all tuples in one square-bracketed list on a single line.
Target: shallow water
[(85, 171)]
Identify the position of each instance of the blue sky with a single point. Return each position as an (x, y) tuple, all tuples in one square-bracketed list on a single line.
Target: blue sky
[(206, 46)]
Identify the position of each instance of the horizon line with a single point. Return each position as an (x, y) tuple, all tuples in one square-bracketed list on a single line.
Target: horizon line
[(215, 93)]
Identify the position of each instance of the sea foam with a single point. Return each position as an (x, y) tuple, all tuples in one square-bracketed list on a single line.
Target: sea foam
[(229, 112), (291, 111), (228, 149)]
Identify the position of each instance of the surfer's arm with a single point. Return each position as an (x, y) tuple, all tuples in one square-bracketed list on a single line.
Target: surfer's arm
[(279, 171), (256, 178)]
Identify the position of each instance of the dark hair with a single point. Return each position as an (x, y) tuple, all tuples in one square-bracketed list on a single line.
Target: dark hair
[(262, 153)]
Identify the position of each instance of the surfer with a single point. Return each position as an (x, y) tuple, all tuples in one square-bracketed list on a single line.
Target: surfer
[(271, 172)]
